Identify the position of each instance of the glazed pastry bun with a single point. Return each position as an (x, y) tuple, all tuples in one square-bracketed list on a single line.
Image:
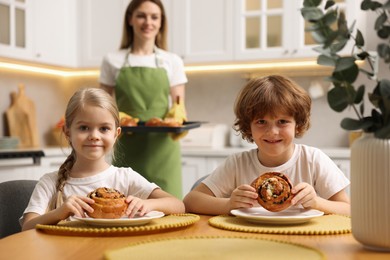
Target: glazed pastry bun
[(274, 190), (167, 122), (109, 203)]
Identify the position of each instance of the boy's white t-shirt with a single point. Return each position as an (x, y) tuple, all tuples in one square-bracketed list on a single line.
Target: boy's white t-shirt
[(114, 61), (124, 180), (307, 164)]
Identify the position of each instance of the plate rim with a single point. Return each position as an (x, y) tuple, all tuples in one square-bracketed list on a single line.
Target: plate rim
[(277, 219), (121, 221)]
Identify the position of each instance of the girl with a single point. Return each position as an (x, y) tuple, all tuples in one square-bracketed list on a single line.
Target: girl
[(91, 128), (145, 80), (271, 112)]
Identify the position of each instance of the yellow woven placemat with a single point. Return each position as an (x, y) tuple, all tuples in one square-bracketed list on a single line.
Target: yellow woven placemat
[(214, 248), (76, 228), (324, 225)]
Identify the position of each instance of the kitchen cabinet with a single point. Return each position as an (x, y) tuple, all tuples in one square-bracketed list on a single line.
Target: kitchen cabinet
[(100, 30), (16, 28), (276, 29), (243, 30), (202, 30), (41, 31), (54, 32)]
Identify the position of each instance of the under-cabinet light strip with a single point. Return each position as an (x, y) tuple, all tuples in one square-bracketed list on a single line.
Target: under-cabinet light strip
[(47, 71), (199, 68)]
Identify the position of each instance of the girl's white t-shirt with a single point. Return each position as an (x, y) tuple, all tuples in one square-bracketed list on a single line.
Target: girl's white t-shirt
[(307, 164), (114, 61), (124, 180)]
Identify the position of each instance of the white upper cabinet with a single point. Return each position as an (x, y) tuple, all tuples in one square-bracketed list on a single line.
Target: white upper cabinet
[(54, 32), (15, 29), (202, 30), (100, 31), (243, 30), (275, 29), (77, 34)]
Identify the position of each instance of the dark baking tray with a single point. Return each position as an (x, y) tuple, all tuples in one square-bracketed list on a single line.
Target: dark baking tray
[(141, 128)]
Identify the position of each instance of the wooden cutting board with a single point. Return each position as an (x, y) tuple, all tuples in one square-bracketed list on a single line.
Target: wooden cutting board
[(21, 119)]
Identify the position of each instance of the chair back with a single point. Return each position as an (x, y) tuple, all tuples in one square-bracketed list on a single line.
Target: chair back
[(14, 198)]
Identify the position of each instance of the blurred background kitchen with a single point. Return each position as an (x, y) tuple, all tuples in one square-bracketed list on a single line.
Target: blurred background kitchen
[(54, 47)]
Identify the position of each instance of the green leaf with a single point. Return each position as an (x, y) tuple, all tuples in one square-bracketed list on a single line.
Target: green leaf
[(329, 18), (338, 46), (380, 21), (359, 39), (363, 55), (351, 124), (329, 4), (346, 69), (359, 94), (338, 99), (383, 133), (311, 13), (326, 61), (342, 25), (361, 108), (384, 88), (365, 5), (331, 37), (384, 32)]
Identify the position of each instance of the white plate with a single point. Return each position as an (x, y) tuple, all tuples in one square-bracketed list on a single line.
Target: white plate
[(121, 222), (288, 216)]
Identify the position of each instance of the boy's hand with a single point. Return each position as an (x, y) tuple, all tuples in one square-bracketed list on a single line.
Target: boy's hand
[(244, 196), (304, 195)]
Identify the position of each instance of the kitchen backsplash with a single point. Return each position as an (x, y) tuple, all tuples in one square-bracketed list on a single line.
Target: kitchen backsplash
[(209, 97)]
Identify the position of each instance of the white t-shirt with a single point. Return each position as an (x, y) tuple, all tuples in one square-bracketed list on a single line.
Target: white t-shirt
[(307, 164), (114, 61), (124, 180)]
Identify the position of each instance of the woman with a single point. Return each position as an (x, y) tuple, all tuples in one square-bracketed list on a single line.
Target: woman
[(144, 78)]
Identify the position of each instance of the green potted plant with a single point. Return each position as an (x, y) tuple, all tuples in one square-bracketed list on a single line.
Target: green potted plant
[(370, 153)]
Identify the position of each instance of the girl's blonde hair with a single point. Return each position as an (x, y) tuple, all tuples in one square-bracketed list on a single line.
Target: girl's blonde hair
[(268, 96), (128, 32), (88, 96)]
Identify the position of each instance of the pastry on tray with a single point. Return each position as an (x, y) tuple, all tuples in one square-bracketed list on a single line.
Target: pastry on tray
[(127, 120), (109, 203), (167, 122), (274, 190)]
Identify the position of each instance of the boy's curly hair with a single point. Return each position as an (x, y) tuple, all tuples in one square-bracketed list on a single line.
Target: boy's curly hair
[(268, 96)]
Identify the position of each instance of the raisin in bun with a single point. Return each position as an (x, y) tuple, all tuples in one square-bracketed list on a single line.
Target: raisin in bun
[(109, 203), (274, 190)]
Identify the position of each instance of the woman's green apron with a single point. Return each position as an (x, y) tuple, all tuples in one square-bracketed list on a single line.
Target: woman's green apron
[(143, 92)]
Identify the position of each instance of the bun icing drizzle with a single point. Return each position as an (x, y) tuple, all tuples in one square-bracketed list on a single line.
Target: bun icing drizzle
[(274, 190)]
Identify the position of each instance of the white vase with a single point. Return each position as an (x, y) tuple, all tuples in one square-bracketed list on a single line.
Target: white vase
[(370, 192)]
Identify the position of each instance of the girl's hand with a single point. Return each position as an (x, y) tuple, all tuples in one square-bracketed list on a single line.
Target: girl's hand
[(244, 196), (304, 195), (75, 206), (136, 205)]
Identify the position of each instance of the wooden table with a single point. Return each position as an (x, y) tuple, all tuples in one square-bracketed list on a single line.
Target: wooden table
[(34, 244)]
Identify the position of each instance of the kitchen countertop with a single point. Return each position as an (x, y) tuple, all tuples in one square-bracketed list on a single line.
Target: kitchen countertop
[(333, 152)]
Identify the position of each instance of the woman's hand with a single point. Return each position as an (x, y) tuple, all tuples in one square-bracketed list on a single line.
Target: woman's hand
[(244, 196), (136, 205), (75, 205), (304, 195)]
